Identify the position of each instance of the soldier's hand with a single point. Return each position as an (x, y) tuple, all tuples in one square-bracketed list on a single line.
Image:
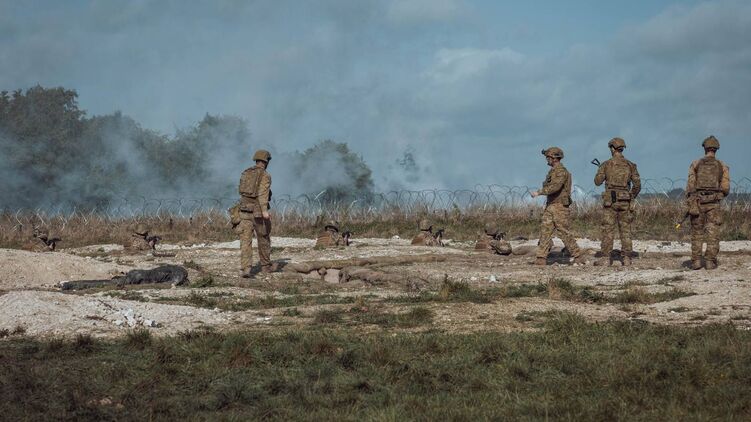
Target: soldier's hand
[(266, 215), (535, 194)]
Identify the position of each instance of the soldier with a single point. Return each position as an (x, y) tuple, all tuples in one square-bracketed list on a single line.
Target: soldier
[(492, 241), (557, 216), (255, 195), (708, 183), (46, 242), (622, 186), (425, 237), (330, 236), (139, 238)]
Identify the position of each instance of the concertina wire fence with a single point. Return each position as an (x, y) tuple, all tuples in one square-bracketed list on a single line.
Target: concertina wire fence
[(483, 199)]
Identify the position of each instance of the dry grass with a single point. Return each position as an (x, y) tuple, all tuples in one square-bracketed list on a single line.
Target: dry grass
[(654, 220)]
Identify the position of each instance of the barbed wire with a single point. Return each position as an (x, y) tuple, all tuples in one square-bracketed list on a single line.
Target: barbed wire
[(481, 198)]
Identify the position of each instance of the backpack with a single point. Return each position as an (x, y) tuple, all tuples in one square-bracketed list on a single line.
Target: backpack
[(618, 174), (708, 174), (250, 181)]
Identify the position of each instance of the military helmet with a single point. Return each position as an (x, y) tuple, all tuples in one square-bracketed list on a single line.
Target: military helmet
[(424, 224), (617, 143), (491, 229), (262, 155), (553, 152), (711, 143), (333, 224), (141, 229)]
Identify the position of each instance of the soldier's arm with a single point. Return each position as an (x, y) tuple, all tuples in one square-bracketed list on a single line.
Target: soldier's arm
[(725, 182), (263, 191), (691, 181), (555, 183), (635, 181), (600, 176)]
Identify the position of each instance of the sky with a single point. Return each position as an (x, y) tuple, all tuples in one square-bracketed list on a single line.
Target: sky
[(474, 88)]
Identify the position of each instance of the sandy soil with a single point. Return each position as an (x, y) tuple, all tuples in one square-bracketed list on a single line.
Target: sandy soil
[(29, 297)]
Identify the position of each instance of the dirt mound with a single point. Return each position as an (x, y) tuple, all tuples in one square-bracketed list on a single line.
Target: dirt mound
[(23, 270)]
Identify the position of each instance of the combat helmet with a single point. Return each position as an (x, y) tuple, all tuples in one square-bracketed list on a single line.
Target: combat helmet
[(553, 152), (41, 233), (141, 229), (491, 229), (617, 143), (332, 224), (711, 143), (262, 155)]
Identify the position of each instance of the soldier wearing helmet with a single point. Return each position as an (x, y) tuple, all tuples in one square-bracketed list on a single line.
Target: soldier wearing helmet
[(425, 237), (708, 183), (330, 236), (44, 240), (622, 186), (557, 216), (142, 239), (255, 197), (492, 241)]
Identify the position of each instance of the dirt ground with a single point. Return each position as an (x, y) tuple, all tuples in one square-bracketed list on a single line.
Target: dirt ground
[(32, 302)]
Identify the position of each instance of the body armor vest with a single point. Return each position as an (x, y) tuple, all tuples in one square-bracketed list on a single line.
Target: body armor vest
[(708, 174)]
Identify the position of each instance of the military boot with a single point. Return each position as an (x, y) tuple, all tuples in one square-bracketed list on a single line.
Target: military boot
[(696, 263), (540, 261), (711, 264)]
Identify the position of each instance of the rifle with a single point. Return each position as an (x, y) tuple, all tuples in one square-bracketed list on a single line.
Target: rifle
[(596, 162)]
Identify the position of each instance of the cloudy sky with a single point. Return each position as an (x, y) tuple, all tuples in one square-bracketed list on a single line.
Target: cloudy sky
[(475, 88)]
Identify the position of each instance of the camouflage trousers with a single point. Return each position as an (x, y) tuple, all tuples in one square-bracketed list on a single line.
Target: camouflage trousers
[(262, 229), (617, 218), (556, 218), (705, 227)]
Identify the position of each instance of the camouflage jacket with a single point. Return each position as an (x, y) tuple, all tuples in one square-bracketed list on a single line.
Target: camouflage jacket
[(424, 238), (616, 169), (329, 238), (490, 244), (724, 179), (557, 186), (255, 202)]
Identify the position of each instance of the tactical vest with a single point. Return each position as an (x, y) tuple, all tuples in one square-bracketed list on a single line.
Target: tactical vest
[(618, 174), (250, 181), (708, 174)]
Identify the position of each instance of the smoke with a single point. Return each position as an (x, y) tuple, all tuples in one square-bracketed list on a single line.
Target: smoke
[(73, 161)]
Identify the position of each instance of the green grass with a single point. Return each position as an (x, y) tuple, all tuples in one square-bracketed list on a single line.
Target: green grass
[(228, 302), (565, 372)]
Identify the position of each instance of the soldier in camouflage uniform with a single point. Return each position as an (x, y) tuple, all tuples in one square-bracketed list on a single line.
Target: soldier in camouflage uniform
[(45, 242), (139, 239), (425, 237), (708, 183), (557, 216), (492, 241), (255, 196), (330, 236), (622, 186)]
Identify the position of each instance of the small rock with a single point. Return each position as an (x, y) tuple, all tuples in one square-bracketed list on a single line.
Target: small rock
[(149, 323), (119, 322), (473, 278), (492, 279)]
